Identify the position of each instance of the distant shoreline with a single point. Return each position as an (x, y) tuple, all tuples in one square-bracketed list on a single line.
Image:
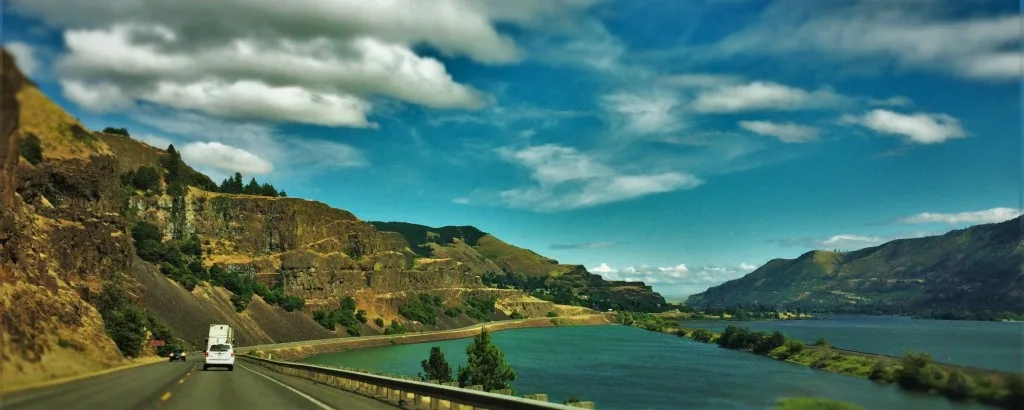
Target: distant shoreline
[(300, 350)]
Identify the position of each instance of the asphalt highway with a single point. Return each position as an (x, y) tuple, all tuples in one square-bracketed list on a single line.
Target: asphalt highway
[(186, 386)]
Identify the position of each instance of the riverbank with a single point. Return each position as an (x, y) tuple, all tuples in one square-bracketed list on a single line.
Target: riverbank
[(300, 350), (912, 372)]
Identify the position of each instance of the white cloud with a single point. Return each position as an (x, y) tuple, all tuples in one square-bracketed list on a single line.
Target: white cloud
[(912, 34), (760, 95), (568, 179), (921, 128), (785, 132), (993, 215), (461, 200), (314, 61), (583, 245), (644, 113), (747, 267), (680, 274), (850, 241), (154, 141), (291, 156), (24, 57), (895, 101), (225, 158), (95, 97), (699, 80)]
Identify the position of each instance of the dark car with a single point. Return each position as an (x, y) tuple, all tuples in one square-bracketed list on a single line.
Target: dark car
[(177, 354)]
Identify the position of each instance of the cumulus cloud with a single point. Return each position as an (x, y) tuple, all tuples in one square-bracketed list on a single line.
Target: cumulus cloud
[(649, 113), (583, 245), (896, 101), (847, 241), (566, 179), (288, 155), (747, 267), (24, 57), (920, 128), (225, 158), (786, 132), (942, 36), (315, 61), (761, 95), (680, 274), (986, 216)]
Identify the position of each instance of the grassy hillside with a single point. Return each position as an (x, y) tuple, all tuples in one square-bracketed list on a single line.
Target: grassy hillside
[(971, 273)]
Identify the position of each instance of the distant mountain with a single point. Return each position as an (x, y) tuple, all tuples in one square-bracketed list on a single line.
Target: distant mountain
[(503, 265), (967, 273)]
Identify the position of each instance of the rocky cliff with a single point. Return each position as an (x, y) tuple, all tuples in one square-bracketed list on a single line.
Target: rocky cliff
[(965, 272), (503, 265)]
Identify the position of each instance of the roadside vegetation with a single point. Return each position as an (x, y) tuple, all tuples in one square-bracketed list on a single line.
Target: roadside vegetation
[(913, 372), (485, 367), (814, 403), (128, 324)]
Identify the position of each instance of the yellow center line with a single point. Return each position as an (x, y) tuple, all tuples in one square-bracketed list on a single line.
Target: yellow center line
[(181, 381), (165, 396)]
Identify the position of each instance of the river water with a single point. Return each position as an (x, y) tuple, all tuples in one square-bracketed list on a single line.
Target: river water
[(988, 345), (621, 367)]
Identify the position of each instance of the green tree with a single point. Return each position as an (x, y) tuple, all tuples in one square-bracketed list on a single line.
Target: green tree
[(821, 342), (486, 365), (124, 321), (252, 188), (31, 149), (145, 179), (436, 367), (282, 194), (268, 190), (117, 131), (379, 322)]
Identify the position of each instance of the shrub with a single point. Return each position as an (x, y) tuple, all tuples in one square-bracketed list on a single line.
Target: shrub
[(146, 179), (292, 303), (361, 316), (117, 131), (552, 314), (240, 301), (31, 149), (379, 322), (912, 374), (452, 312), (880, 372), (123, 321), (420, 309), (958, 387), (325, 319), (395, 328), (516, 315), (821, 342), (794, 346)]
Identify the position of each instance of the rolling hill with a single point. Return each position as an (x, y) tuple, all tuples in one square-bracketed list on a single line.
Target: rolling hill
[(975, 272)]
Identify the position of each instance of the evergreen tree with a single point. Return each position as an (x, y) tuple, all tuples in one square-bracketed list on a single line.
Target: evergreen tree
[(486, 365), (252, 188), (437, 368), (268, 190)]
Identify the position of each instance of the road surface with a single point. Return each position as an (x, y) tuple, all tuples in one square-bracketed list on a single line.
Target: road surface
[(185, 386)]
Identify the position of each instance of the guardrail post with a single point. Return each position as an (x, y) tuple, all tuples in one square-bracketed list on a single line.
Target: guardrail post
[(477, 387), (538, 396), (583, 404)]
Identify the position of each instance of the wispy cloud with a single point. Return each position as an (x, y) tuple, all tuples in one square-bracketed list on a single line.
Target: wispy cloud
[(24, 56), (846, 241), (584, 245), (941, 36), (647, 113), (565, 178), (986, 216), (786, 132), (764, 96), (679, 274), (920, 128)]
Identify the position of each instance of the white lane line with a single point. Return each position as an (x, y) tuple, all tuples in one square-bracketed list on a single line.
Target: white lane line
[(318, 403)]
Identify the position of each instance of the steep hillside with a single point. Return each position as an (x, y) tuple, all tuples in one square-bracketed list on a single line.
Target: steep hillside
[(960, 274), (108, 243), (506, 266)]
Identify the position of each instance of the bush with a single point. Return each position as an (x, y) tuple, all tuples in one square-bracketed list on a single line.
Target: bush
[(117, 131), (913, 374), (146, 179), (880, 372), (516, 315), (421, 309), (958, 387), (292, 303), (794, 346), (325, 319), (395, 328), (821, 342), (124, 321), (452, 312), (361, 316), (379, 322), (31, 149), (240, 301), (552, 314)]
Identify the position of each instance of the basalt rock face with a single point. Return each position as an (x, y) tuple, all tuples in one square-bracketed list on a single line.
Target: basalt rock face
[(314, 251)]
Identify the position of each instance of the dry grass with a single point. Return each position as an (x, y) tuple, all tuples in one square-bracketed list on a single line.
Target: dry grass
[(52, 125)]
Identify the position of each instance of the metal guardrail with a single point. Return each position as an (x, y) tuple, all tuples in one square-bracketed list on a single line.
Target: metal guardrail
[(410, 393)]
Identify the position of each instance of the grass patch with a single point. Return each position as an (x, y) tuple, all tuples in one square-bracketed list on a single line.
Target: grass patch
[(814, 403)]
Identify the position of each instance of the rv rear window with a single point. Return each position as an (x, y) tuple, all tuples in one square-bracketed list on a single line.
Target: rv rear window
[(220, 348)]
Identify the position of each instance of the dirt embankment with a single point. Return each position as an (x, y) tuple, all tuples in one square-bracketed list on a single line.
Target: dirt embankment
[(298, 350)]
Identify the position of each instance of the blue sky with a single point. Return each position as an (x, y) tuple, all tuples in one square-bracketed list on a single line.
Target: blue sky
[(680, 143)]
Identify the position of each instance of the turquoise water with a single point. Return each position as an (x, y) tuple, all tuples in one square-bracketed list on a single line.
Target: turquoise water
[(989, 345), (621, 367)]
